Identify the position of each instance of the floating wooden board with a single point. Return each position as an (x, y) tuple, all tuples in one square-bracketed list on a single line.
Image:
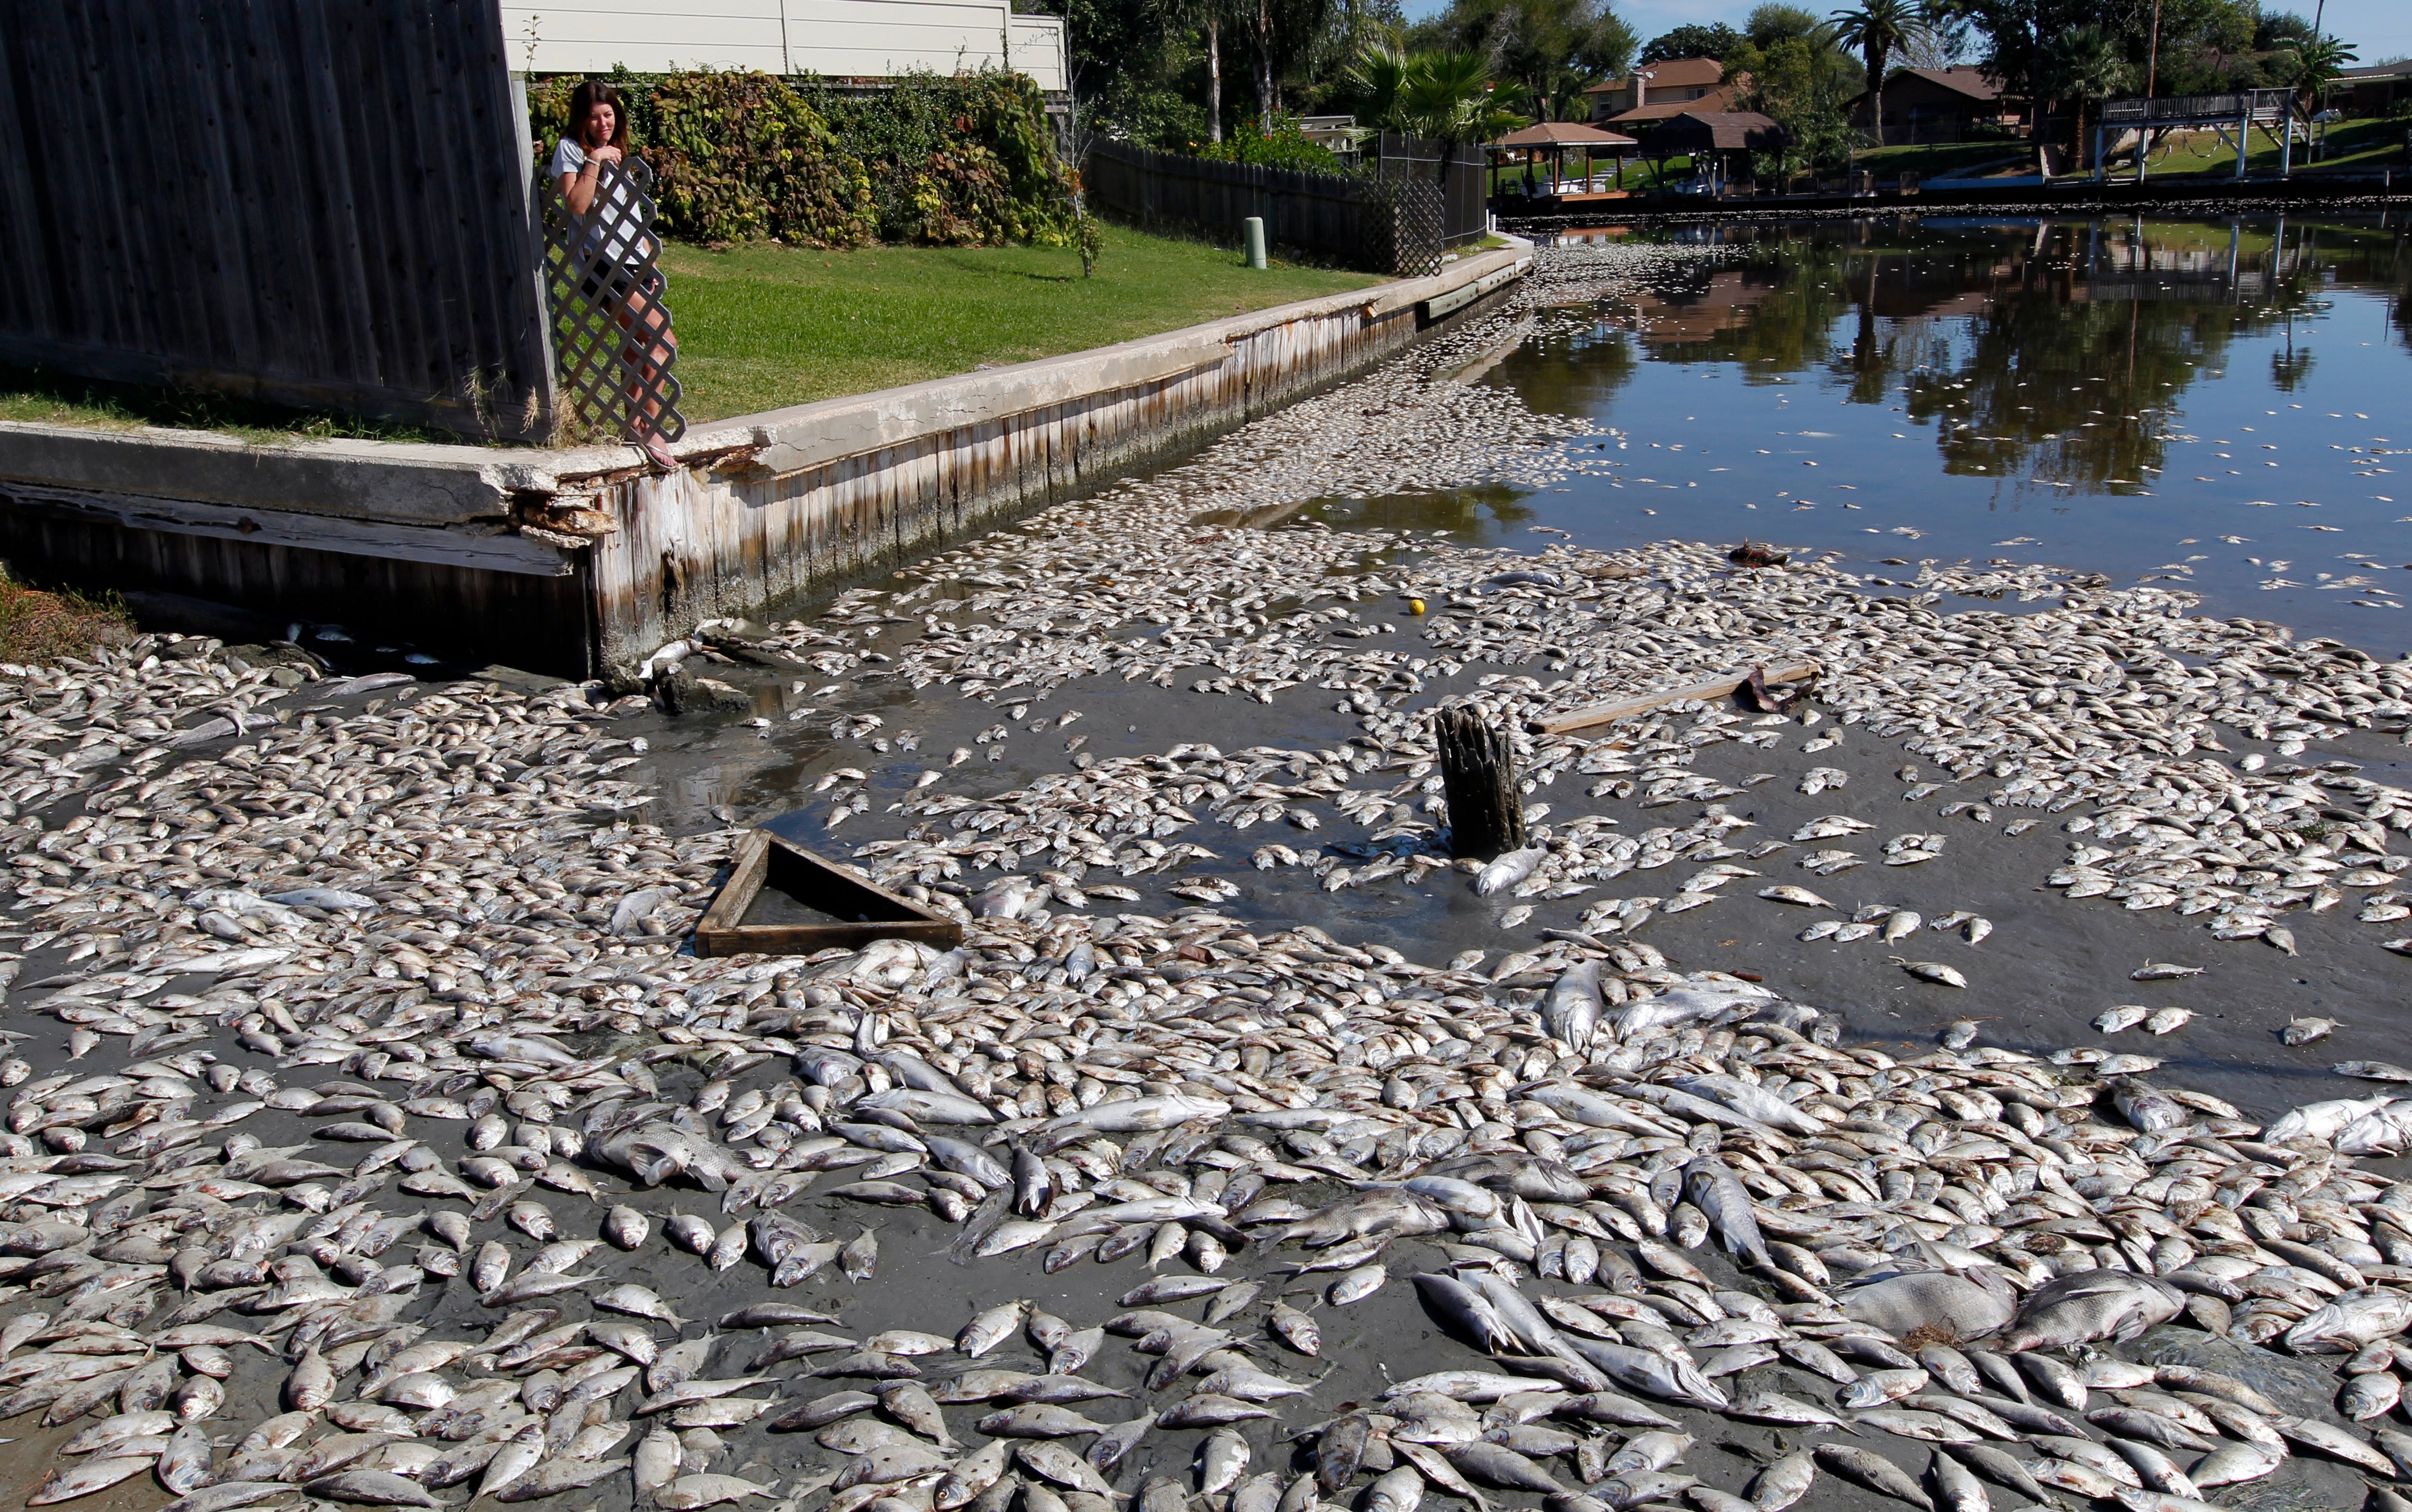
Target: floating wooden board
[(1715, 687), (860, 911)]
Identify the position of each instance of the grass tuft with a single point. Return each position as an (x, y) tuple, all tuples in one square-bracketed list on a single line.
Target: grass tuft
[(37, 627)]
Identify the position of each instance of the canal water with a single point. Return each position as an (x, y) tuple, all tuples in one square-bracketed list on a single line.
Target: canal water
[(2218, 404)]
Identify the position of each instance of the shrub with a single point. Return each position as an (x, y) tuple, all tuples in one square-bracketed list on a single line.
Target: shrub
[(966, 161), (1283, 145), (737, 156)]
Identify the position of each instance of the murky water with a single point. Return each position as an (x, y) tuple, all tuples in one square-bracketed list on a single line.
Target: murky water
[(2217, 402), (2040, 390)]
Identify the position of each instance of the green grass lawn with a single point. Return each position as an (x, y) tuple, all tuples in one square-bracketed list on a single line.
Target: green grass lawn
[(1937, 160), (2351, 145), (760, 328)]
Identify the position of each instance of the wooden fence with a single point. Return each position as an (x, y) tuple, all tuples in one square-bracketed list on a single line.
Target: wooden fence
[(308, 204), (1354, 219)]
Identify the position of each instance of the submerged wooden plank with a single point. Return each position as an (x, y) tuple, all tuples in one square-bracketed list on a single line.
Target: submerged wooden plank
[(746, 869), (1715, 687), (860, 910)]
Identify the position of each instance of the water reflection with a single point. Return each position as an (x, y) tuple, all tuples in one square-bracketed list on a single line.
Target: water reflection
[(2076, 338), (1953, 369)]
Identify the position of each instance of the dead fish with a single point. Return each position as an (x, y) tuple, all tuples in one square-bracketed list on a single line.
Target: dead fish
[(1508, 870), (1873, 1471), (1930, 971)]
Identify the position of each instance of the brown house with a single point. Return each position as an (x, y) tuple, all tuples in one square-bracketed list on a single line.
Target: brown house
[(2371, 91), (1658, 91), (1934, 105)]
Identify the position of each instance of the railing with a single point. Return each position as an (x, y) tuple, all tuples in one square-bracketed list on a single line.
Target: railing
[(2260, 105), (611, 338)]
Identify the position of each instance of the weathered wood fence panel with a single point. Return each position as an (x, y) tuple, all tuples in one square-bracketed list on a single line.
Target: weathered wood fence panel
[(277, 199), (1339, 216)]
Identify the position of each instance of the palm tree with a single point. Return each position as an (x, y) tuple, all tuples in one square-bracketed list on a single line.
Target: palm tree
[(2318, 60), (1448, 98), (1377, 83), (2084, 64), (1877, 28)]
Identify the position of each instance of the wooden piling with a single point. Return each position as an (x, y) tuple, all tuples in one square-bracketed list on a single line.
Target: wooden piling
[(1478, 774)]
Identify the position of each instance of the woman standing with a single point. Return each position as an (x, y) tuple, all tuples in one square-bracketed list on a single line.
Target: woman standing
[(614, 247)]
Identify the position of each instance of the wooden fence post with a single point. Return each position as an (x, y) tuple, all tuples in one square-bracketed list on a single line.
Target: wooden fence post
[(1478, 775)]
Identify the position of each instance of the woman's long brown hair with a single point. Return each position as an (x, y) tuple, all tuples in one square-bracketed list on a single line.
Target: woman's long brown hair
[(582, 104)]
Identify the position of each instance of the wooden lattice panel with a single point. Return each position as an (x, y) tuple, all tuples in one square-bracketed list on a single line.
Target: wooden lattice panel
[(1412, 223), (601, 271)]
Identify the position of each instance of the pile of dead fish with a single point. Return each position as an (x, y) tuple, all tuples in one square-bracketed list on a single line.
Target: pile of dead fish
[(423, 938)]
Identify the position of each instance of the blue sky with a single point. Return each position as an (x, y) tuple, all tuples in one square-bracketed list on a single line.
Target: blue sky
[(2378, 28)]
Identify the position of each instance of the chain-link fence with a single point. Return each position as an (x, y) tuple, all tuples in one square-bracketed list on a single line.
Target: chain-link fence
[(612, 334), (1392, 218)]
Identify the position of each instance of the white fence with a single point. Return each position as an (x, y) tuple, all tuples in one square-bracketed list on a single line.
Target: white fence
[(835, 38)]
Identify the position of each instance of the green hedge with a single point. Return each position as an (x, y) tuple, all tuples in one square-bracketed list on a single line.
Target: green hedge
[(1285, 145), (739, 156)]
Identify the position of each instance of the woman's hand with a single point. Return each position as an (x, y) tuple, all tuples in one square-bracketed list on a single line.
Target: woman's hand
[(604, 154)]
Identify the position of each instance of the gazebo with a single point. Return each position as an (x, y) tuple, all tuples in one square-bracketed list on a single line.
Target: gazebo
[(1710, 137), (1550, 139)]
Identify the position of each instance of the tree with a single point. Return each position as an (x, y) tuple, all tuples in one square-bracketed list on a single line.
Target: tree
[(1801, 84), (1773, 21), (2275, 29), (1877, 28), (1376, 84), (1284, 35), (1206, 17), (2317, 60), (2084, 64), (2019, 33), (1717, 40), (1444, 95), (1128, 62), (1543, 45)]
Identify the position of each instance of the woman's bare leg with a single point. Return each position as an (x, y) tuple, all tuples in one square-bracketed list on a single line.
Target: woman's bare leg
[(648, 353)]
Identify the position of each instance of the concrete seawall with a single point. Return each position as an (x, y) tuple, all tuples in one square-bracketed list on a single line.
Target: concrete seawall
[(578, 562)]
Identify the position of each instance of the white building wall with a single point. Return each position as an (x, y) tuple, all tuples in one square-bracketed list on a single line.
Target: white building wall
[(835, 38)]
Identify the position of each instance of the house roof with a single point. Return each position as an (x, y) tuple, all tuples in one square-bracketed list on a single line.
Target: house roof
[(1669, 73), (1561, 133), (1966, 79), (2401, 69), (1719, 131), (1668, 109)]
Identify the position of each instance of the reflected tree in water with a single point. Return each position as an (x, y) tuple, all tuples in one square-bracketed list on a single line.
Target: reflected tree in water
[(2060, 351)]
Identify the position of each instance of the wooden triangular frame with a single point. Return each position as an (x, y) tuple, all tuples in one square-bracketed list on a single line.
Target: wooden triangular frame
[(862, 911)]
